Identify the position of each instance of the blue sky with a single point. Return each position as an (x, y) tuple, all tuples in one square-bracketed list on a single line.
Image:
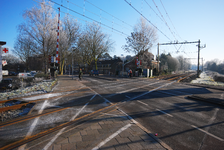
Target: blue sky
[(191, 20)]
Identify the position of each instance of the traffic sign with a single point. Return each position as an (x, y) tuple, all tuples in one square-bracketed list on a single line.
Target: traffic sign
[(6, 50)]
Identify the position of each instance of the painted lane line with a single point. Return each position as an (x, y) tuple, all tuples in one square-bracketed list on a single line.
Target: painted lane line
[(111, 137), (151, 91), (125, 83), (22, 147), (127, 96), (132, 89), (137, 123), (142, 103), (100, 95), (164, 113), (136, 88), (218, 138), (93, 97), (61, 131)]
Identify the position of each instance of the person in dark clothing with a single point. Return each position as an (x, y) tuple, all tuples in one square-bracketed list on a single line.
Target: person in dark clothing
[(80, 74), (130, 73)]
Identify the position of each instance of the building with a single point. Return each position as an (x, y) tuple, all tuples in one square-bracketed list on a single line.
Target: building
[(111, 66)]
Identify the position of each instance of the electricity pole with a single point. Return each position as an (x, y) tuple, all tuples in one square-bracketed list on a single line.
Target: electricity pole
[(199, 47), (158, 59)]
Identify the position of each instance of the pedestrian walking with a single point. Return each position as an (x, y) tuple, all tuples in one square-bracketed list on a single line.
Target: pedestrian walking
[(130, 73), (80, 74)]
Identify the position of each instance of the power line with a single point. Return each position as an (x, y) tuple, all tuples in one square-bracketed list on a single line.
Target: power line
[(79, 18), (164, 19), (94, 14), (153, 10), (170, 19), (108, 13), (88, 17), (148, 20)]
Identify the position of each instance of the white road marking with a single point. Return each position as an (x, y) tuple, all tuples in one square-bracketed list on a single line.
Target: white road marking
[(136, 88), (218, 138), (111, 137), (151, 91), (93, 97), (61, 131), (142, 103), (134, 121), (165, 113), (127, 96), (33, 125)]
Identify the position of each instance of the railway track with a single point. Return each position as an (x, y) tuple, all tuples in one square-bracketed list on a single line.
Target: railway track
[(178, 77), (24, 103), (75, 122)]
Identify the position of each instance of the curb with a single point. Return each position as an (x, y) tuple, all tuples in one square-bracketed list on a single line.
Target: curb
[(206, 100), (206, 86)]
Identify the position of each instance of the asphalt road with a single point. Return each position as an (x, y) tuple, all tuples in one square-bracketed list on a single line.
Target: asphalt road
[(158, 105), (164, 109)]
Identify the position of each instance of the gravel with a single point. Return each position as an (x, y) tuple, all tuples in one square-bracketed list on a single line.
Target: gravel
[(38, 88)]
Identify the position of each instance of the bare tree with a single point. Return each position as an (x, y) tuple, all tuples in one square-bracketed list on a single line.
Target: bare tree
[(39, 29), (173, 63), (183, 63), (142, 38), (95, 43), (24, 48), (69, 35)]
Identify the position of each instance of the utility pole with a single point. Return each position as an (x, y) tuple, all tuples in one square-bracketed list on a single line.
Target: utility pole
[(158, 59), (198, 57), (123, 65), (199, 47)]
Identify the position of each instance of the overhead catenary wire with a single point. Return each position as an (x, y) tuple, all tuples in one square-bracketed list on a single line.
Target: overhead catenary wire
[(122, 34), (118, 31), (84, 10), (164, 19), (170, 20), (109, 13), (87, 17), (153, 10), (148, 20)]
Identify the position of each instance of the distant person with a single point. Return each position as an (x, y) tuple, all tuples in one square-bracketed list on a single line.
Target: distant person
[(130, 73), (80, 74)]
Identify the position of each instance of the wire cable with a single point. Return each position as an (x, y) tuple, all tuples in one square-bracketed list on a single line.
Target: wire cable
[(164, 20), (148, 20), (87, 17), (170, 20), (95, 14), (109, 13)]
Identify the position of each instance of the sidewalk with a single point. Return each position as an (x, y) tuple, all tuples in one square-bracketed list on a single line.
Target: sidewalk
[(109, 131)]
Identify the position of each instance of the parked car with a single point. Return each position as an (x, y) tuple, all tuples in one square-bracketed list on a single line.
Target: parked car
[(9, 84), (12, 73), (92, 72), (25, 75)]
